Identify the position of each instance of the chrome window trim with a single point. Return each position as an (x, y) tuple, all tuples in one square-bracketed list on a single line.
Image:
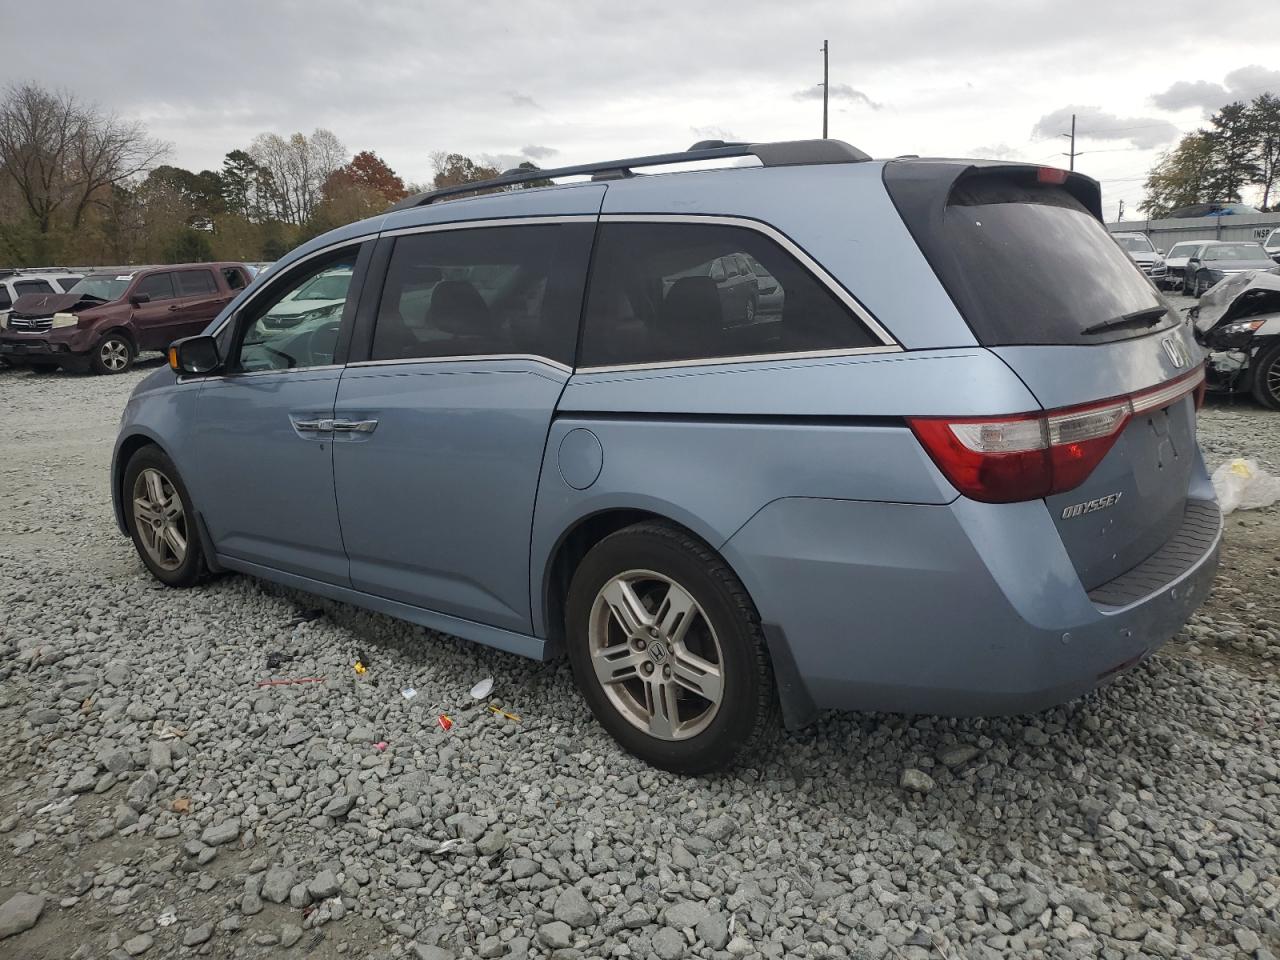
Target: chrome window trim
[(749, 358), (819, 272), (467, 358), (537, 221), (193, 378), (349, 242)]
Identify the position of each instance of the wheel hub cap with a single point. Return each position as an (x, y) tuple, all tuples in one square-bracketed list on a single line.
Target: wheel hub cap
[(159, 519), (656, 655)]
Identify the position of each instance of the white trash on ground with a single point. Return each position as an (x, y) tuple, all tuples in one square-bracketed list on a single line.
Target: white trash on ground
[(1243, 485)]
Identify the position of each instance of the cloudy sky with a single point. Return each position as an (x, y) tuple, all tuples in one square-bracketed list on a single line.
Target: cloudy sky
[(565, 83)]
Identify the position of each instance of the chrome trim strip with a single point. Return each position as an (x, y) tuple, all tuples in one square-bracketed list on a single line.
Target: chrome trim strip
[(778, 237), (351, 241), (546, 361), (260, 373), (495, 222), (754, 358), (1162, 397)]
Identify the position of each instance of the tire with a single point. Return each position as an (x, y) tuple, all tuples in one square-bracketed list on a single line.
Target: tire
[(160, 553), (1266, 378), (114, 353), (719, 630), (749, 311)]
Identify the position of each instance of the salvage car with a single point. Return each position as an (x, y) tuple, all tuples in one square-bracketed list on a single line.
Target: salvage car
[(105, 320), (1217, 259), (1239, 321), (1272, 245), (1175, 263), (908, 492)]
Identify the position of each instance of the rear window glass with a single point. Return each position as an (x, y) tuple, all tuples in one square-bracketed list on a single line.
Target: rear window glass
[(24, 287), (666, 292), (1027, 263), (195, 283)]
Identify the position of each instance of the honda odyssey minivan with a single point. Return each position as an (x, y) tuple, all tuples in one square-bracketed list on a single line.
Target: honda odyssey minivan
[(952, 468)]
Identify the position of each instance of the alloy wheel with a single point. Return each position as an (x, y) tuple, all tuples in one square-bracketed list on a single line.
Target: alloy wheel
[(159, 519), (656, 655), (114, 354)]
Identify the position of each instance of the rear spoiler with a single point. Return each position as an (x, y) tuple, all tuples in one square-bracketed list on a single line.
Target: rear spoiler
[(920, 188)]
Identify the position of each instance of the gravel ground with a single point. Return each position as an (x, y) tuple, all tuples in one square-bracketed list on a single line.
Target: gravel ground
[(154, 800)]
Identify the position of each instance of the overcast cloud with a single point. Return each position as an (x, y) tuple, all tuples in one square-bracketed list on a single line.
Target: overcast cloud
[(1244, 83), (568, 83)]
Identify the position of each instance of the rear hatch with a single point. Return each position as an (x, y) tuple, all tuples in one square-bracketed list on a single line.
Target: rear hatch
[(1024, 255)]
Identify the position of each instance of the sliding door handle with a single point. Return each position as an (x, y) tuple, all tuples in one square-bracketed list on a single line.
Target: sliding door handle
[(354, 426), (313, 426)]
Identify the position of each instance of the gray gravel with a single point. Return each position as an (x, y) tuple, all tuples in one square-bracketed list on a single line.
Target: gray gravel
[(156, 801)]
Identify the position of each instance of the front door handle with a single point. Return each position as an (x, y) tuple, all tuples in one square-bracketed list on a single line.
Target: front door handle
[(353, 426)]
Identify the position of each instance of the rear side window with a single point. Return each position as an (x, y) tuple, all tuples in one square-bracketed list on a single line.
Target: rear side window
[(5, 300), (1025, 262), (23, 287), (158, 286), (484, 291), (195, 283), (665, 292)]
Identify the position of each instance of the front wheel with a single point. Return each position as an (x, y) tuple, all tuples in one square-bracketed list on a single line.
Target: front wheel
[(161, 520), (1266, 379), (667, 650), (113, 354)]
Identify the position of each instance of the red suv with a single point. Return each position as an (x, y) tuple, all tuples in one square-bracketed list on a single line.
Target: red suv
[(104, 321)]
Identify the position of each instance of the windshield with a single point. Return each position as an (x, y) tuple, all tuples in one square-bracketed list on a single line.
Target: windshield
[(1183, 249), (101, 288), (329, 286), (1236, 251), (1135, 244)]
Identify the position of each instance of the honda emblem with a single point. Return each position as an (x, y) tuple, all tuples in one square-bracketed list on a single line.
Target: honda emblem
[(1176, 351)]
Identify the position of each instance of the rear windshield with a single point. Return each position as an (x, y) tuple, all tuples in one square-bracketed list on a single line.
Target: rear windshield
[(1027, 263)]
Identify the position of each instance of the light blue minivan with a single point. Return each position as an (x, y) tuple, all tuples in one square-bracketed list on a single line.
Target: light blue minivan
[(819, 432)]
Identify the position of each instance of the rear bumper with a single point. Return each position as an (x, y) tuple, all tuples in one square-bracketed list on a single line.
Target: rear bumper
[(963, 609)]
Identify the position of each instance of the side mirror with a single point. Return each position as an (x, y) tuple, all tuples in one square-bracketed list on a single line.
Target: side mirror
[(138, 299), (194, 355)]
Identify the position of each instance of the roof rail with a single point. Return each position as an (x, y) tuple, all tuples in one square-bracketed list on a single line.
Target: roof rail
[(781, 154)]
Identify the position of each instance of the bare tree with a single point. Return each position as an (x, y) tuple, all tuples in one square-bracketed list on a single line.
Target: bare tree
[(61, 152), (298, 168)]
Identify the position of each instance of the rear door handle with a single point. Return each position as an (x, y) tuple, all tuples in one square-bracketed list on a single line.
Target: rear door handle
[(353, 426)]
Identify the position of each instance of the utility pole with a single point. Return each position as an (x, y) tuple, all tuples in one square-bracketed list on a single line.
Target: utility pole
[(1072, 135), (1120, 215), (825, 87)]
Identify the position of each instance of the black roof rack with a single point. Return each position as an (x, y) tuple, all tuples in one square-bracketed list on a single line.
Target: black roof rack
[(781, 154)]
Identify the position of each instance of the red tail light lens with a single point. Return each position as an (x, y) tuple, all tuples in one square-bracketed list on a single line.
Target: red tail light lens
[(1035, 455)]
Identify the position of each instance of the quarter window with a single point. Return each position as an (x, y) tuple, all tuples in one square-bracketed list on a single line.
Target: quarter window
[(235, 277), (660, 292), (484, 291), (195, 283), (296, 324), (158, 286)]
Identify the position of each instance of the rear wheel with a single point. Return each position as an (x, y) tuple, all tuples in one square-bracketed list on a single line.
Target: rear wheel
[(1266, 379), (113, 354), (161, 519), (667, 650)]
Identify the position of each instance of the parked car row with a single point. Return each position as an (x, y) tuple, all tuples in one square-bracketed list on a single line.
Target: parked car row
[(102, 321), (719, 509), (1193, 266)]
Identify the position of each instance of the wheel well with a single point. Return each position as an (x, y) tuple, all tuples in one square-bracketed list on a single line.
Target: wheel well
[(123, 331), (127, 449), (575, 545)]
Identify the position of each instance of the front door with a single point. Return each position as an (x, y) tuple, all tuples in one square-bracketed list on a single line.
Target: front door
[(151, 317), (266, 460), (199, 299), (440, 433)]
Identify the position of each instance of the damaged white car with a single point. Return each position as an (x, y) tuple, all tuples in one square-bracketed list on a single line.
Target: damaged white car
[(1239, 322)]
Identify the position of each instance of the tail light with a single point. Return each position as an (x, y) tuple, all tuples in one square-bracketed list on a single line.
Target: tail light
[(1035, 455)]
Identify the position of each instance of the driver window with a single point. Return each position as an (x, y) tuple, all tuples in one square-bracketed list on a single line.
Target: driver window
[(297, 324)]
